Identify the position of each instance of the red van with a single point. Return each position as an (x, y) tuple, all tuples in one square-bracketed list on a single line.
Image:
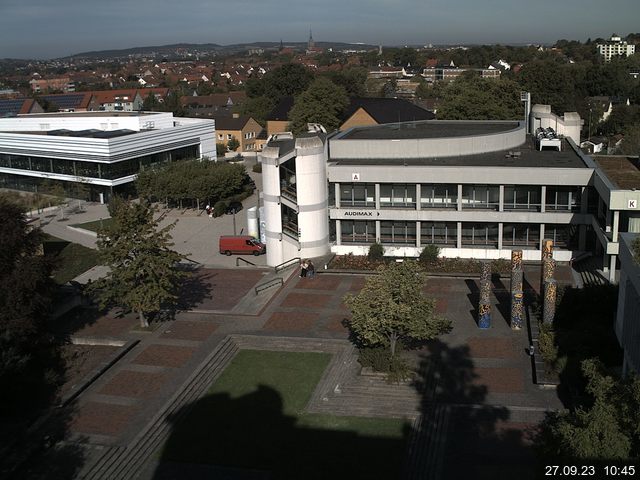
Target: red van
[(240, 244)]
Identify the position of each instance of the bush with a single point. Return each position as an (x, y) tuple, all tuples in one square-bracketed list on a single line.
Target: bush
[(429, 254), (376, 252), (219, 208), (257, 168), (546, 344), (380, 360)]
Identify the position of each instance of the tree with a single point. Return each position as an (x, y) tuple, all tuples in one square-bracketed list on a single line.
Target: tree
[(144, 275), (391, 307), (257, 108), (233, 144), (474, 98), (25, 292), (288, 80), (352, 79), (151, 103), (631, 141), (220, 149), (606, 429), (323, 102)]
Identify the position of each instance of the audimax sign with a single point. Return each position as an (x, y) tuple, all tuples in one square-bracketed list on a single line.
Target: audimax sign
[(361, 213)]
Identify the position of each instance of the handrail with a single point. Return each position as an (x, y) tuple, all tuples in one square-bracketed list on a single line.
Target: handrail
[(286, 264), (268, 284), (238, 259)]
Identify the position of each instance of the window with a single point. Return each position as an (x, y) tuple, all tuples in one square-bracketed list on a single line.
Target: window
[(563, 198), (357, 195), (479, 234), (220, 136), (398, 233), (439, 196), (398, 195), (439, 233), (563, 236), (522, 197), (353, 231), (229, 136), (485, 197), (521, 235)]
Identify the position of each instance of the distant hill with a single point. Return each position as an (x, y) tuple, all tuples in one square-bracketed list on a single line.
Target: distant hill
[(209, 47)]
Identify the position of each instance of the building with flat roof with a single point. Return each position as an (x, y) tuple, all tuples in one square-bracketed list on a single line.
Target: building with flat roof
[(104, 150), (627, 326), (476, 189), (614, 47)]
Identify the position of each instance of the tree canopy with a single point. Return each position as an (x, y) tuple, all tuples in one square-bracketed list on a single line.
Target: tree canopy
[(192, 181), (391, 307), (288, 80), (607, 428), (323, 102), (144, 275), (25, 291), (473, 98)]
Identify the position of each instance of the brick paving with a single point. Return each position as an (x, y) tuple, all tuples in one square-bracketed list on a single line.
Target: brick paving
[(129, 383), (102, 418), (189, 330), (164, 355), (485, 367), (291, 321)]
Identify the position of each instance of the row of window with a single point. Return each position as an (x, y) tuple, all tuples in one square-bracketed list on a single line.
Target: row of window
[(446, 233), (485, 197), (107, 171)]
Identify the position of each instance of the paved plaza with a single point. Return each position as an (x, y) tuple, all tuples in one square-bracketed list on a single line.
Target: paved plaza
[(476, 390)]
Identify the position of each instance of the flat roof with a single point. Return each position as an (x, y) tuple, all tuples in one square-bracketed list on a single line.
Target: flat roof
[(528, 156), (100, 113), (427, 129), (90, 133), (622, 171)]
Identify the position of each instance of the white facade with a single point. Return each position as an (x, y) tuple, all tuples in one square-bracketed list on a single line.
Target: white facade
[(96, 148), (295, 198), (568, 125), (615, 47)]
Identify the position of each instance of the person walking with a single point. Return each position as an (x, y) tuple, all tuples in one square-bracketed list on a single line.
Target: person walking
[(303, 268), (311, 269)]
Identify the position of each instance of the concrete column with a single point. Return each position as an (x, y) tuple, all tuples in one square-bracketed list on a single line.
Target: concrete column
[(336, 194), (543, 198), (418, 236), (418, 194), (582, 238), (584, 200), (612, 269), (459, 240), (459, 198), (541, 238), (338, 232), (616, 226), (500, 236), (377, 194), (377, 221), (501, 202)]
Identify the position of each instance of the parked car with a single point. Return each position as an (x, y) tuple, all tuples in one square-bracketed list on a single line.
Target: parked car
[(240, 244)]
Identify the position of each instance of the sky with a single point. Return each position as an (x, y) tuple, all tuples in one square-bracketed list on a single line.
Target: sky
[(55, 28)]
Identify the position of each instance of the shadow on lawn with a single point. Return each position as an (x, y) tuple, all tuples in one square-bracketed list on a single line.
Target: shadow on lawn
[(250, 437), (253, 434)]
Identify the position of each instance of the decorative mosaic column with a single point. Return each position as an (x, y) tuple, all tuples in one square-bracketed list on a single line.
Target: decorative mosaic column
[(548, 269), (484, 316), (484, 307), (517, 310), (547, 248), (516, 259), (550, 294), (517, 280)]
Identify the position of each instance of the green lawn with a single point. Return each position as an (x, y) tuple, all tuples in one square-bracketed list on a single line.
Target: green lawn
[(253, 417), (94, 225), (72, 259)]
